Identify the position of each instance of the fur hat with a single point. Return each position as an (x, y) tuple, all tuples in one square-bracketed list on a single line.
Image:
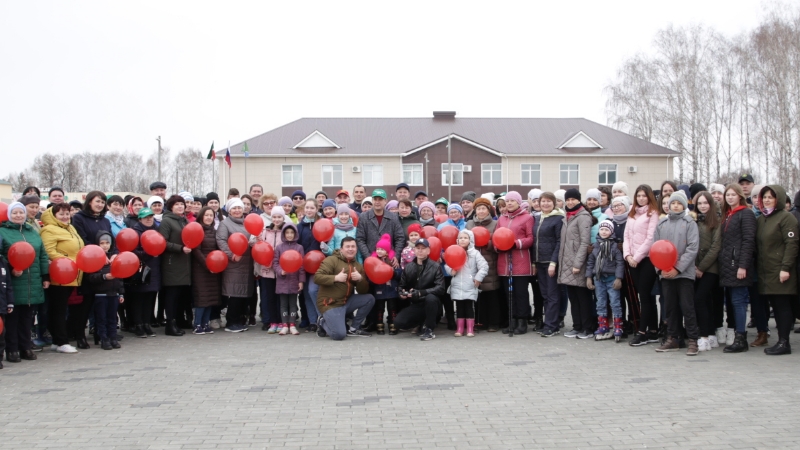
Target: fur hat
[(484, 202)]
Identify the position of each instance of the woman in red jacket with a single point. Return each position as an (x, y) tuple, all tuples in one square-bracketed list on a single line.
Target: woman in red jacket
[(514, 265)]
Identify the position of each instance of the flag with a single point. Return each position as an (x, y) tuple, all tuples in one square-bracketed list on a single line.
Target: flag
[(228, 157), (211, 154), (245, 150)]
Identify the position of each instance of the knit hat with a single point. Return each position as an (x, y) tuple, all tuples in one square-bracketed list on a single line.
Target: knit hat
[(455, 206), (277, 211), (620, 186), (299, 193), (153, 200), (484, 202), (104, 237), (29, 200), (233, 203), (679, 196), (534, 194), (385, 243), (367, 200), (442, 201), (469, 195), (321, 192), (343, 208), (392, 204), (696, 188), (716, 187), (16, 205), (284, 201), (572, 193), (328, 204), (559, 194), (428, 205), (187, 196), (624, 200), (514, 195), (414, 228), (593, 193), (212, 196), (607, 224)]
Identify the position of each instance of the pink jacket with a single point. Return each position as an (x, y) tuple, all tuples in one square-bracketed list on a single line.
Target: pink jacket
[(521, 223), (639, 232)]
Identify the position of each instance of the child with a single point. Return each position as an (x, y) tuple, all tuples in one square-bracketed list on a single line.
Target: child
[(288, 285), (387, 293), (465, 283), (414, 233), (677, 285), (607, 265), (107, 296)]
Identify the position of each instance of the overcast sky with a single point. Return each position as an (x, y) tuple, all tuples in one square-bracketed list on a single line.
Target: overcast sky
[(100, 75)]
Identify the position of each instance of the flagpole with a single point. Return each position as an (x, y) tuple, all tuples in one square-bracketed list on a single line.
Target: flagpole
[(229, 168)]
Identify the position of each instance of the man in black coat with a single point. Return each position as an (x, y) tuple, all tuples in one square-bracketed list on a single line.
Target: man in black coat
[(375, 223), (422, 282)]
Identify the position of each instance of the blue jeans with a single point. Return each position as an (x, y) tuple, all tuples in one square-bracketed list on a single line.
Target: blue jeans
[(202, 316), (105, 311), (739, 298), (270, 301), (606, 293), (334, 318), (310, 290)]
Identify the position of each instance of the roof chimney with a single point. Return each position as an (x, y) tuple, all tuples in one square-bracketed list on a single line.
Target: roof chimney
[(444, 115)]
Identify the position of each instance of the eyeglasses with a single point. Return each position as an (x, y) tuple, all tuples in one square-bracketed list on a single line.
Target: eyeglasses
[(269, 203), (298, 198)]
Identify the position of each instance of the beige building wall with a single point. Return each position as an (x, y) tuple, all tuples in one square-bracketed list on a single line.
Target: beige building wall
[(5, 192)]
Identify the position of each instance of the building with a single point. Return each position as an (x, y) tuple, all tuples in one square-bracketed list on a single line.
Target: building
[(484, 155), (6, 195)]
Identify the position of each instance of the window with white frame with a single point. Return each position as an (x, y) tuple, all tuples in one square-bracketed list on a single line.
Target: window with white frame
[(412, 174), (458, 174), (292, 175), (607, 173), (372, 174), (491, 174), (569, 174), (332, 175), (531, 174)]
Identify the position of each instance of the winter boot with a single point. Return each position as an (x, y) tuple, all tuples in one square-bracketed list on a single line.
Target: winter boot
[(460, 327), (522, 326), (671, 345), (106, 344), (381, 329), (602, 327), (781, 348), (692, 349), (392, 330), (739, 344), (470, 327), (171, 329), (761, 339)]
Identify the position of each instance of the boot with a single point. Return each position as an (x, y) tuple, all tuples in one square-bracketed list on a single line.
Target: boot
[(171, 329), (739, 344), (460, 327), (381, 330), (392, 330), (13, 357), (139, 331), (106, 344), (27, 354), (671, 345), (761, 339), (96, 339), (470, 327), (115, 344), (81, 343), (692, 349), (148, 330), (522, 327), (781, 348)]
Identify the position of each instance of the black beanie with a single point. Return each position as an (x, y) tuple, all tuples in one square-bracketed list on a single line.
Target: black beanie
[(572, 193), (696, 189), (212, 196)]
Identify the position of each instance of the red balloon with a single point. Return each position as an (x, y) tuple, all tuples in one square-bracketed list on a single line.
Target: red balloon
[(370, 263), (379, 272), (455, 257), (291, 261), (153, 243), (481, 236), (237, 242), (503, 239), (263, 253), (63, 271), (127, 240), (2, 325), (448, 235), (124, 265), (322, 230), (441, 218), (216, 261), (354, 216), (192, 235), (436, 248), (91, 258), (312, 261), (664, 255), (429, 231), (21, 255), (3, 212), (254, 224)]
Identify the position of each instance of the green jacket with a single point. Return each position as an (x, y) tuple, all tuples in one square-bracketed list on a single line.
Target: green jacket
[(776, 241), (176, 266), (710, 244), (333, 294), (28, 288)]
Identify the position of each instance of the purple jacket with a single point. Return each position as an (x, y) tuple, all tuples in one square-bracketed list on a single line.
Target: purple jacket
[(287, 284)]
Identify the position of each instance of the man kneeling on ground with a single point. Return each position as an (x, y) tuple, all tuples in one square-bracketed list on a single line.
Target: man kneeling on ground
[(337, 277), (422, 283)]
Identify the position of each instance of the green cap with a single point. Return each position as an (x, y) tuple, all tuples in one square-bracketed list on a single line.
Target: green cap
[(144, 212), (379, 193), (443, 201)]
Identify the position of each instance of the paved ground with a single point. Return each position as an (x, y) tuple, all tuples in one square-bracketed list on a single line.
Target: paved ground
[(253, 390)]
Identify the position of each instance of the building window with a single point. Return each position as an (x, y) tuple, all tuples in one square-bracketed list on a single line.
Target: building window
[(412, 174), (292, 175), (608, 173), (491, 174), (458, 174), (332, 175), (569, 174), (372, 175), (531, 174)]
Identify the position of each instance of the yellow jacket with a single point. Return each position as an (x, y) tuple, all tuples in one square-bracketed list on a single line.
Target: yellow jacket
[(60, 240)]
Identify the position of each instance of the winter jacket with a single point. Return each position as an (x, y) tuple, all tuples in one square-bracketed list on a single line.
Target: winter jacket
[(336, 241), (87, 226), (425, 278), (333, 294), (575, 241), (598, 214), (176, 266), (737, 248), (521, 223), (96, 283), (407, 221), (115, 227), (639, 233), (462, 286), (60, 241), (461, 224), (206, 286), (237, 278), (28, 289), (305, 235), (710, 242), (6, 290), (368, 233), (777, 247), (547, 237), (490, 282), (613, 265), (271, 236), (153, 262), (288, 284), (387, 290), (681, 230), (131, 220)]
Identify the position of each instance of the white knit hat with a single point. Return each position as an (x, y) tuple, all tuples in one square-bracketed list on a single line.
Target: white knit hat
[(534, 194), (560, 194), (620, 186)]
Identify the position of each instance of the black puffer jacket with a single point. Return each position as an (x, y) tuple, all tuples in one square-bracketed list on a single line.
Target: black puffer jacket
[(153, 262), (426, 278), (737, 249), (547, 237), (176, 266)]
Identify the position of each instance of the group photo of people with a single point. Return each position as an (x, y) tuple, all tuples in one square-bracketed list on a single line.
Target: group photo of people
[(688, 268)]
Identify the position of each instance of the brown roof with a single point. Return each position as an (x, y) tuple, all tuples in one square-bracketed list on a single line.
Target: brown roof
[(395, 136)]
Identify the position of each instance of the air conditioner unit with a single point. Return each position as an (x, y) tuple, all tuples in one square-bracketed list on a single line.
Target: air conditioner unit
[(467, 169), (356, 169), (633, 169)]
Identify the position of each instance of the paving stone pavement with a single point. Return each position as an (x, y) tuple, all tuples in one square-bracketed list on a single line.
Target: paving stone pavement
[(253, 390)]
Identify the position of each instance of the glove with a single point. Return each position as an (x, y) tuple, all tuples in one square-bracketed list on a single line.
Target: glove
[(617, 284), (323, 246), (589, 283)]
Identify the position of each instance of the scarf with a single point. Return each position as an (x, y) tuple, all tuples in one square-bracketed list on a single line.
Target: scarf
[(571, 212), (343, 226), (424, 222), (674, 215), (605, 254), (768, 211), (554, 212), (307, 220), (619, 219), (118, 219)]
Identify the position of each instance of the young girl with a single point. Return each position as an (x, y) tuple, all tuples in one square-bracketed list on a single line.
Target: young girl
[(107, 296), (414, 233), (386, 295), (342, 227), (305, 237), (206, 286), (270, 301), (707, 284), (288, 285), (466, 280), (677, 285), (286, 204)]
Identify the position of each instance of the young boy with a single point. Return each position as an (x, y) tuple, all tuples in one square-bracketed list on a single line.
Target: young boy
[(677, 285), (108, 295), (606, 265)]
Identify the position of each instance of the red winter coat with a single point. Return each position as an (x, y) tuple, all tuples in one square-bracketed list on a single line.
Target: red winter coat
[(521, 223)]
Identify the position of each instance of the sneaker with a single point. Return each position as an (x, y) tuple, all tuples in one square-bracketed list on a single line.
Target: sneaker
[(652, 337), (670, 346), (215, 324), (638, 340), (199, 330), (66, 348), (293, 330), (273, 328), (427, 335), (284, 330), (312, 328), (730, 336), (357, 333), (713, 342), (223, 312), (234, 329), (722, 336), (692, 348), (703, 345), (547, 332), (244, 327), (572, 333), (207, 329), (265, 327), (585, 335), (38, 345)]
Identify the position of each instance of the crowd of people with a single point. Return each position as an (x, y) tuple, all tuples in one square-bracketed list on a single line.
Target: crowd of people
[(589, 252)]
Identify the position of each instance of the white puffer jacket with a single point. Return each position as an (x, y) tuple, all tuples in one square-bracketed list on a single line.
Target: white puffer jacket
[(462, 286)]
